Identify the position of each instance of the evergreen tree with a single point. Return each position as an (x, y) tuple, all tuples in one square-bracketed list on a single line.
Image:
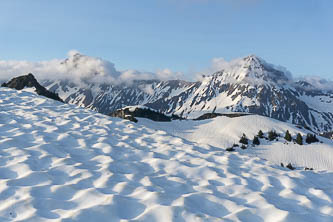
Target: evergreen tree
[(256, 141), (288, 136), (260, 134), (272, 135), (244, 139), (299, 139)]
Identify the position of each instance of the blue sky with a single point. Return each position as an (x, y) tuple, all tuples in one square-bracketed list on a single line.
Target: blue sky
[(182, 35)]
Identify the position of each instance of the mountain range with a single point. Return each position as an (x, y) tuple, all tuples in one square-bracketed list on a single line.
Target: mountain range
[(247, 85)]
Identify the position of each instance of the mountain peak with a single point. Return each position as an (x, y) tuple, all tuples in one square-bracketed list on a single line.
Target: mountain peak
[(254, 70), (252, 59), (253, 63)]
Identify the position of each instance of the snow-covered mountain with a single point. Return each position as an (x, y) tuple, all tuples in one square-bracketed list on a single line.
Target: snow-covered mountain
[(59, 162), (245, 85)]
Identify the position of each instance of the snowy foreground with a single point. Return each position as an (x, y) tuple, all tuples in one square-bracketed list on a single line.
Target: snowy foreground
[(62, 163)]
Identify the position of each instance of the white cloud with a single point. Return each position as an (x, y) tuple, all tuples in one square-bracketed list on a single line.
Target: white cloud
[(76, 67), (128, 76), (166, 74), (318, 82), (147, 89), (79, 69), (85, 69), (217, 64)]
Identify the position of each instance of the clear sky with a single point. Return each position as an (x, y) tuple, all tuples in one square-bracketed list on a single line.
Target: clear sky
[(183, 35)]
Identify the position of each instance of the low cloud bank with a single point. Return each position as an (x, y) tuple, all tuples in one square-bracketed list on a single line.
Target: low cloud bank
[(318, 82), (82, 69), (79, 69)]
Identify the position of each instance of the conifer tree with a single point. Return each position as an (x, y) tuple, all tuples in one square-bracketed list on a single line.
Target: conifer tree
[(299, 139), (288, 136), (244, 139), (260, 134), (256, 141), (272, 135)]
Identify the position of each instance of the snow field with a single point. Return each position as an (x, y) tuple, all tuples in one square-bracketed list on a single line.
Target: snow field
[(62, 163), (223, 132)]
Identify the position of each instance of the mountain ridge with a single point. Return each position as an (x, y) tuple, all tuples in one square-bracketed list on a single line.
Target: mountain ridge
[(246, 85)]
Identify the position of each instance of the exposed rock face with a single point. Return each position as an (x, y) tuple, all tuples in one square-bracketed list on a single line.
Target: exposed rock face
[(141, 112), (328, 135), (124, 114), (289, 166), (29, 81)]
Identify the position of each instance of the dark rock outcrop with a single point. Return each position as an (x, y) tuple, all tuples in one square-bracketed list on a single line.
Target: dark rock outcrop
[(289, 166), (214, 115), (124, 115), (328, 135), (131, 112), (30, 81)]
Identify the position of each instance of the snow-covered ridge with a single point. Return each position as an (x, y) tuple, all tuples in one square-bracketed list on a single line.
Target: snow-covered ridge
[(63, 163)]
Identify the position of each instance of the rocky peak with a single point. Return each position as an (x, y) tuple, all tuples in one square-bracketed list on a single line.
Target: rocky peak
[(252, 70), (29, 81), (253, 60), (21, 82)]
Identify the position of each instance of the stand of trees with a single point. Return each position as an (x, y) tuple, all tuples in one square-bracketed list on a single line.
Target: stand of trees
[(311, 138)]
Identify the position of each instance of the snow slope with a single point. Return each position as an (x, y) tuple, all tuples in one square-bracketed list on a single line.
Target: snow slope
[(223, 132), (63, 163)]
